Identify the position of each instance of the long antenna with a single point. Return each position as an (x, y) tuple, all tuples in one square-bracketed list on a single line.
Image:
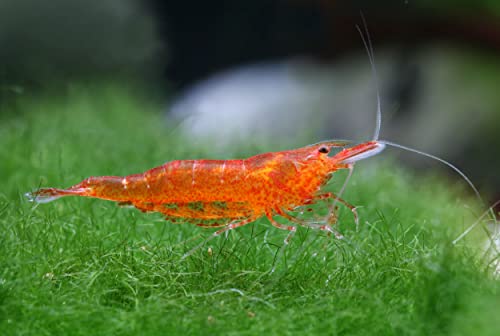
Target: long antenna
[(458, 171), (371, 56), (369, 50), (365, 37)]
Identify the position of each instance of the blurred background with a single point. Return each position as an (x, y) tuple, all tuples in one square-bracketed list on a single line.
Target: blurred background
[(282, 73)]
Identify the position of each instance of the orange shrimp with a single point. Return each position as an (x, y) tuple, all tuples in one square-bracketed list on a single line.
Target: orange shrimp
[(233, 193), (227, 193)]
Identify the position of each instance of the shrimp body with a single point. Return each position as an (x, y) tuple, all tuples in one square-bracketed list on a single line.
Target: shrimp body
[(214, 193)]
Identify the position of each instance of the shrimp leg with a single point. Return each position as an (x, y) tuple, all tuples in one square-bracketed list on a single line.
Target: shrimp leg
[(231, 226), (287, 240), (309, 224), (331, 209), (293, 229)]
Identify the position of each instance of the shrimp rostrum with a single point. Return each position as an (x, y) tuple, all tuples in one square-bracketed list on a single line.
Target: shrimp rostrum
[(228, 193)]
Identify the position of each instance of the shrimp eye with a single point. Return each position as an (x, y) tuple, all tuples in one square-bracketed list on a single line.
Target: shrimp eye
[(323, 150)]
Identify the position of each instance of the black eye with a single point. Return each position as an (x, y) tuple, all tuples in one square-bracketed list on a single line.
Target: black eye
[(323, 150)]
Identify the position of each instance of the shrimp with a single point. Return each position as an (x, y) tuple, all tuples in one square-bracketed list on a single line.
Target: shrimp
[(227, 193)]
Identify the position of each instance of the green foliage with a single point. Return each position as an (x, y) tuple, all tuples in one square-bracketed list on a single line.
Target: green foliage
[(83, 266)]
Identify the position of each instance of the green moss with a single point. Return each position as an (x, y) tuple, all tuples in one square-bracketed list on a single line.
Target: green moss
[(84, 266)]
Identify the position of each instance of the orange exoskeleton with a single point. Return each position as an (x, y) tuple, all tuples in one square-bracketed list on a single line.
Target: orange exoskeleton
[(228, 193)]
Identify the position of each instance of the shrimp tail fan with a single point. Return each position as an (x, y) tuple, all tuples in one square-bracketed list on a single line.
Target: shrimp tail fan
[(46, 195)]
